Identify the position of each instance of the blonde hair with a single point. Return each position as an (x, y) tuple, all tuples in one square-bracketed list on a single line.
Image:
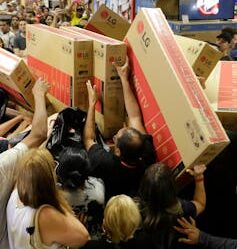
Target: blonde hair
[(121, 218), (36, 181)]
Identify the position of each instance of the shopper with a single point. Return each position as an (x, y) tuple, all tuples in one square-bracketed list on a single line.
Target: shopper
[(38, 216), (160, 205), (10, 158), (20, 40), (121, 219), (122, 170), (224, 45)]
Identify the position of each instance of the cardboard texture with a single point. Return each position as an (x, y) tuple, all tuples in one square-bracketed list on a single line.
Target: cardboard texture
[(201, 56), (110, 110), (16, 79), (175, 109), (108, 23), (63, 59), (201, 30), (221, 90)]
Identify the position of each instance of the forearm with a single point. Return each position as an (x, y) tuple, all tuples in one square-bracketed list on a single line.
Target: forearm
[(39, 122), (5, 127), (89, 129), (212, 242), (200, 193), (131, 104)]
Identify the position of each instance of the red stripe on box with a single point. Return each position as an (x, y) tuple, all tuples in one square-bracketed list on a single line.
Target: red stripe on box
[(60, 82), (14, 93), (93, 29), (153, 119), (99, 89), (227, 94), (184, 72)]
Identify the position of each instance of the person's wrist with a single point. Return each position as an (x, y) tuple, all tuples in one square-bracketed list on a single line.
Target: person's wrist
[(199, 178)]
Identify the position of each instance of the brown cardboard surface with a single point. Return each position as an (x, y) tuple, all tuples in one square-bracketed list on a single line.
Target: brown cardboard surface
[(201, 56), (62, 58), (221, 90), (108, 23), (16, 78), (110, 110), (175, 109)]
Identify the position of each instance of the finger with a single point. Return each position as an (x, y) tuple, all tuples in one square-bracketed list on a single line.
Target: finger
[(193, 222), (180, 230), (186, 241), (183, 222), (190, 171)]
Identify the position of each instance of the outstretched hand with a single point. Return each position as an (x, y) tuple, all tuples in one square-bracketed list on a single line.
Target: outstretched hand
[(92, 96), (124, 70), (197, 170), (189, 229), (41, 87)]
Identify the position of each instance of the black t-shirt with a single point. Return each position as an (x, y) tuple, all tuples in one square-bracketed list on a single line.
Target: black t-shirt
[(119, 178), (20, 42)]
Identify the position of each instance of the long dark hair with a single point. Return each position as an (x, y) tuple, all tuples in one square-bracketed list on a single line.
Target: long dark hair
[(159, 203)]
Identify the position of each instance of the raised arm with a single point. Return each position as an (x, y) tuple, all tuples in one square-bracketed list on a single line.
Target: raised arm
[(131, 105), (6, 126), (89, 129), (39, 124), (199, 197)]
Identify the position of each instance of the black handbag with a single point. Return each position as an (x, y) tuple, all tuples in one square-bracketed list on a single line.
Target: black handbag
[(67, 130)]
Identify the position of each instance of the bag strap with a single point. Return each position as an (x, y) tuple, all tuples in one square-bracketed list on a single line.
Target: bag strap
[(33, 230)]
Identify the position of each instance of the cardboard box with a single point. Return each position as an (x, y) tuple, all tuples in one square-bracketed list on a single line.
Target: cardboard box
[(16, 78), (108, 23), (110, 110), (201, 56), (63, 59), (201, 30), (175, 109), (221, 90)]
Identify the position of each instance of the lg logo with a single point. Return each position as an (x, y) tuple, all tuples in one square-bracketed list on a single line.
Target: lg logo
[(105, 15), (140, 29)]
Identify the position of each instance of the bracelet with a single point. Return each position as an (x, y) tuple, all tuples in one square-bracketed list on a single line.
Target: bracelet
[(199, 179)]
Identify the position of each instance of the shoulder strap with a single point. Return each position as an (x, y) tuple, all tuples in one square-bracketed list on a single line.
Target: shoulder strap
[(35, 239)]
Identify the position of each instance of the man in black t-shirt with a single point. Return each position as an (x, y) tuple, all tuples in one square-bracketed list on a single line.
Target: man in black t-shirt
[(134, 151)]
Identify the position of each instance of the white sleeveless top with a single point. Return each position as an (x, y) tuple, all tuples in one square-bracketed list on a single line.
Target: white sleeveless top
[(19, 219)]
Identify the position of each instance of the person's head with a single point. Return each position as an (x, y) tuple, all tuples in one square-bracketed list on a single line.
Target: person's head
[(73, 167), (121, 218), (224, 42), (45, 11), (22, 26), (233, 33), (157, 193), (10, 7), (6, 26), (36, 181), (30, 17), (49, 20), (129, 145), (79, 11), (15, 22)]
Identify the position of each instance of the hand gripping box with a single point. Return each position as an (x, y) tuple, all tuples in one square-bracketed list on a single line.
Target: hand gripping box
[(108, 23), (16, 78), (201, 56), (63, 59), (221, 90), (110, 109), (175, 109)]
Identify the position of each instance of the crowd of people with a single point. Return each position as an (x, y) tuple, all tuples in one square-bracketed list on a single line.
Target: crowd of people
[(85, 196), (14, 17), (62, 187)]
